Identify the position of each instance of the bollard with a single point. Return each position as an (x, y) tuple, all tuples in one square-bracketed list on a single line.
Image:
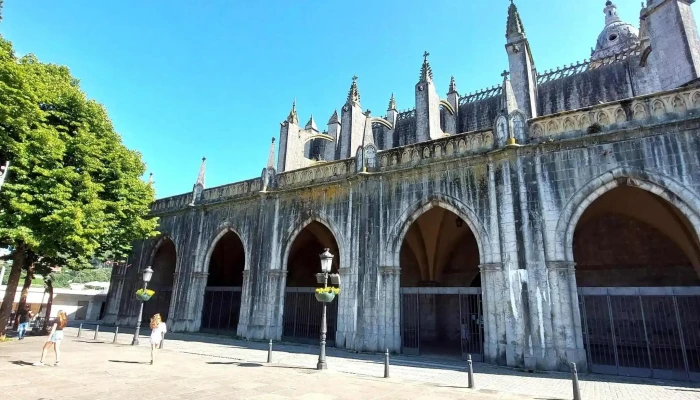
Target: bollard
[(574, 381), (97, 330), (116, 332), (386, 364), (269, 353), (80, 329), (470, 372)]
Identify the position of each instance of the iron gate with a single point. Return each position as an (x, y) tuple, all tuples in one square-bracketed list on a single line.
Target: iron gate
[(302, 317), (159, 303), (643, 332), (221, 309), (464, 315)]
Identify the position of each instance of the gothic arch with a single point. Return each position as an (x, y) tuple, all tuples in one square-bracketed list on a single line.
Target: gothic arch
[(666, 188), (299, 226), (222, 230), (411, 214), (157, 244)]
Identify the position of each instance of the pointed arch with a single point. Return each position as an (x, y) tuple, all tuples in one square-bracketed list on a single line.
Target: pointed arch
[(411, 214), (210, 245), (296, 228), (685, 201), (157, 243)]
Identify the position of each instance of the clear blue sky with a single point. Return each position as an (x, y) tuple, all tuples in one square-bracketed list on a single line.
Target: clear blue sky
[(186, 79)]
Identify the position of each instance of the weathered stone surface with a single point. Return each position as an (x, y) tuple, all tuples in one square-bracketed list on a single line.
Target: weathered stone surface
[(522, 203)]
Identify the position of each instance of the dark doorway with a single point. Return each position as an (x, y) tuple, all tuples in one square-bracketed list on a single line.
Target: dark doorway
[(222, 296), (636, 260), (302, 312), (441, 283), (163, 266)]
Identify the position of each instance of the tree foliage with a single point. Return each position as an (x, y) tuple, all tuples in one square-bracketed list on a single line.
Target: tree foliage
[(74, 191)]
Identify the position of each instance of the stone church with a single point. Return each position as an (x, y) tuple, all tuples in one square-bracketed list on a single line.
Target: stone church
[(549, 219)]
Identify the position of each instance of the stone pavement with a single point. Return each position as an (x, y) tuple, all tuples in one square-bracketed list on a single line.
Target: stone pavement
[(94, 370), (407, 372)]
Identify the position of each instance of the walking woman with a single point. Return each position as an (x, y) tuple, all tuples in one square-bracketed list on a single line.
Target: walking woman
[(55, 337), (158, 330)]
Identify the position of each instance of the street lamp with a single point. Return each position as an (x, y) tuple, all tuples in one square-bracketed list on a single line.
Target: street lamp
[(326, 262), (3, 172), (147, 274)]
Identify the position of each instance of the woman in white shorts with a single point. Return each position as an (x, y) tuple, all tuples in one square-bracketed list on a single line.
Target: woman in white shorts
[(55, 337), (158, 330)]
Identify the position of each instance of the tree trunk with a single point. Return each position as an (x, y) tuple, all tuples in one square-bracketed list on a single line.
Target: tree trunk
[(25, 293), (18, 259), (49, 303)]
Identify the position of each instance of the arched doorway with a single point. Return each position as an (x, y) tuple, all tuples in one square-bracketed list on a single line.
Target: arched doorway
[(441, 287), (637, 258), (302, 312), (163, 265), (222, 296)]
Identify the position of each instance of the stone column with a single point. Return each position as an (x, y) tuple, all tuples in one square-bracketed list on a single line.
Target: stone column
[(390, 309), (243, 319), (566, 315), (272, 317), (492, 292), (199, 285), (347, 309)]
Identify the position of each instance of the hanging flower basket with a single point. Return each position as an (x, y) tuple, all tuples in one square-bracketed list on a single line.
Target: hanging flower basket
[(326, 295), (144, 295)]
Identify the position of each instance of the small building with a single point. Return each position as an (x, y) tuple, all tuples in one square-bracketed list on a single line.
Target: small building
[(79, 303)]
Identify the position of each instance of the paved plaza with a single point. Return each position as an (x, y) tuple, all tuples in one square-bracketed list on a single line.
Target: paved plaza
[(209, 367)]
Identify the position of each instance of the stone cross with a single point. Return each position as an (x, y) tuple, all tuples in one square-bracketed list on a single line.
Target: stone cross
[(425, 55), (505, 74)]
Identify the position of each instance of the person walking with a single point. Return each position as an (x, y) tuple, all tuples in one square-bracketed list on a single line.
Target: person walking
[(25, 316), (158, 330), (55, 337)]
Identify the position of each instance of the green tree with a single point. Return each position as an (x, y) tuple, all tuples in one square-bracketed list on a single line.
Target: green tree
[(74, 191)]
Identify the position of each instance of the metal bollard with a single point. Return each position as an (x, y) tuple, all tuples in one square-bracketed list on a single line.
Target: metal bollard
[(574, 381), (116, 332), (470, 372), (97, 330), (386, 364), (80, 329), (269, 353)]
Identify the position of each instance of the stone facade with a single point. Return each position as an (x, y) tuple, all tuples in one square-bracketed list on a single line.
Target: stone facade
[(518, 163)]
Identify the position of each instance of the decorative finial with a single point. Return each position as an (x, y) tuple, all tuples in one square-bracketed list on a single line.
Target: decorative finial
[(426, 73), (514, 26), (150, 178), (392, 102), (271, 156), (453, 85), (202, 171), (505, 74), (334, 118), (354, 93), (292, 118), (311, 124)]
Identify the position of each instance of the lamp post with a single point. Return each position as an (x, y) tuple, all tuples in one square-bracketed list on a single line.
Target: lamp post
[(326, 262), (3, 172), (147, 274)]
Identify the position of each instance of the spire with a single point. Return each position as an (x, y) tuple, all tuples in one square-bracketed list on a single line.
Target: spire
[(453, 85), (311, 124), (392, 103), (611, 13), (354, 93), (271, 156), (202, 171), (150, 179), (426, 73), (334, 118), (292, 117), (515, 24)]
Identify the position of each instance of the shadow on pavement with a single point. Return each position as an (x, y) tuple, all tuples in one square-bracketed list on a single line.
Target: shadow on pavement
[(22, 363), (128, 362)]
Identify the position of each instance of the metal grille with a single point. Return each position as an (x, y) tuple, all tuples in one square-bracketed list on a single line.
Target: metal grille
[(644, 332), (302, 317), (466, 314), (221, 309), (159, 303)]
